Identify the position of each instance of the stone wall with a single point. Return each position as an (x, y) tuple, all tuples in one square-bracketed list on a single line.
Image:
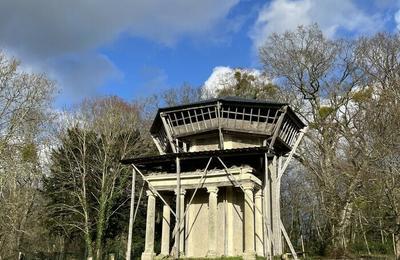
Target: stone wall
[(231, 141), (229, 227)]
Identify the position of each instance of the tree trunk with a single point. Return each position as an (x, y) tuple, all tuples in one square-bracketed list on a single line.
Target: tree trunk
[(100, 226), (344, 223), (397, 239), (88, 242)]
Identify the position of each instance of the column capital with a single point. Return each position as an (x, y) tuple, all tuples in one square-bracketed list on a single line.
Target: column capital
[(248, 186), (259, 193), (183, 192), (212, 189), (150, 193)]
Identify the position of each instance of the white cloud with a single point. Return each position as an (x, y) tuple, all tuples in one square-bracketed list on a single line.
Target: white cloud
[(62, 36), (397, 19), (223, 77), (331, 15), (220, 77), (48, 27)]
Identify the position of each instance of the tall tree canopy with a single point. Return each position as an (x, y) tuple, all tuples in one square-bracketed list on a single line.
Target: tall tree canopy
[(25, 100), (88, 186), (339, 85)]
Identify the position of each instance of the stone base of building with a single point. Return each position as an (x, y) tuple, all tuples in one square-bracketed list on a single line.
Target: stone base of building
[(249, 256), (212, 254), (148, 256)]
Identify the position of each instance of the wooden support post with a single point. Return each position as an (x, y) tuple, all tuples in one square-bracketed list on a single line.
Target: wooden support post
[(275, 208), (153, 189), (293, 151), (199, 184), (267, 210), (178, 207), (277, 127), (157, 143), (167, 131), (289, 243), (132, 206), (258, 223), (221, 137)]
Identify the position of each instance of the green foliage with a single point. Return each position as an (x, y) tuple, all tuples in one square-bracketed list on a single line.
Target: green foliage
[(375, 247), (325, 111), (248, 86), (363, 95), (218, 258), (76, 166), (29, 152)]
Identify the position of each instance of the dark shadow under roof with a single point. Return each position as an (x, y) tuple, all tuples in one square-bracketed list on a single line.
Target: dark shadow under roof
[(171, 157)]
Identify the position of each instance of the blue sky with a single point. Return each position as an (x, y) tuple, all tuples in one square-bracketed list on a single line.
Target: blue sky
[(137, 48), (148, 66)]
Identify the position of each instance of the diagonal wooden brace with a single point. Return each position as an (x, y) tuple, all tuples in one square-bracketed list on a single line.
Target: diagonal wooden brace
[(153, 189)]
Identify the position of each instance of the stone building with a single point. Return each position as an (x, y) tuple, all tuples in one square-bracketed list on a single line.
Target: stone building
[(218, 177)]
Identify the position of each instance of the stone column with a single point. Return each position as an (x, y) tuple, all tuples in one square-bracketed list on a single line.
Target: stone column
[(212, 221), (165, 235), (148, 253), (230, 230), (259, 222), (182, 226), (249, 252)]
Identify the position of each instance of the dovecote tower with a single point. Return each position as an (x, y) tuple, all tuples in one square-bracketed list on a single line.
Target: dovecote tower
[(218, 177)]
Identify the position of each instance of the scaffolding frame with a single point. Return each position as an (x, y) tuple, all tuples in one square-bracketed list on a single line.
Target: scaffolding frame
[(275, 122), (273, 174), (225, 115)]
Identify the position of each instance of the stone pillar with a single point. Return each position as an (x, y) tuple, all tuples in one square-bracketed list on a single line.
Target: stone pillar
[(212, 221), (258, 198), (230, 230), (165, 235), (249, 252), (148, 253), (182, 226)]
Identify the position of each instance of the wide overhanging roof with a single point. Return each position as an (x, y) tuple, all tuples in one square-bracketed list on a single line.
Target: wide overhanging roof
[(227, 100), (171, 157)]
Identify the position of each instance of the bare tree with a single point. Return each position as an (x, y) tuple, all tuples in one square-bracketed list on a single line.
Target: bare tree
[(88, 185), (184, 94), (323, 74), (24, 103), (379, 56)]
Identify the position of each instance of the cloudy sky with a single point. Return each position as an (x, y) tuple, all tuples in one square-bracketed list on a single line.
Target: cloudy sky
[(134, 48)]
